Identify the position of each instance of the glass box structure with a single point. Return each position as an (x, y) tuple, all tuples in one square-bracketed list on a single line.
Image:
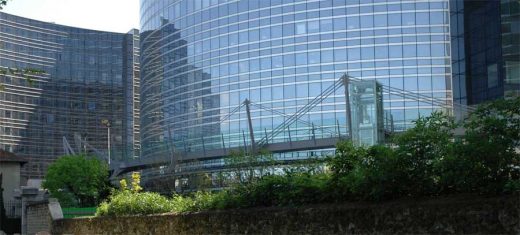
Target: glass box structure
[(85, 76), (367, 115)]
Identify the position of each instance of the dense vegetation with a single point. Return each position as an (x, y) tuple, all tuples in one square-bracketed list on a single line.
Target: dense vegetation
[(77, 180), (427, 160)]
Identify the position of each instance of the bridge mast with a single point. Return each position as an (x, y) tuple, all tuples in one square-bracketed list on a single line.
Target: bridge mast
[(247, 102), (345, 79)]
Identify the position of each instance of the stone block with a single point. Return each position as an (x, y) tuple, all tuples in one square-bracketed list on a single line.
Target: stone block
[(55, 209)]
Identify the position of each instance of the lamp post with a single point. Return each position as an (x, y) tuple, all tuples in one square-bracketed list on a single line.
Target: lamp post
[(106, 122)]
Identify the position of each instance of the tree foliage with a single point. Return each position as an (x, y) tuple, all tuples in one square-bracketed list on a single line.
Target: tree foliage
[(77, 180), (2, 4), (246, 166), (487, 158), (429, 160), (422, 147)]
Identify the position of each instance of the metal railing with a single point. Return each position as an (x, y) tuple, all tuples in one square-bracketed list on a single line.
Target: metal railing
[(13, 209), (305, 129)]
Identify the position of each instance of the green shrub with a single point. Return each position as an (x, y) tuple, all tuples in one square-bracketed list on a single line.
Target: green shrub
[(512, 186), (182, 203), (376, 172), (199, 201), (294, 188), (130, 203)]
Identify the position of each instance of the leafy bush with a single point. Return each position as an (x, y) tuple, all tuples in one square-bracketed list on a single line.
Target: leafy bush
[(292, 188), (512, 186), (197, 202), (130, 203), (377, 172)]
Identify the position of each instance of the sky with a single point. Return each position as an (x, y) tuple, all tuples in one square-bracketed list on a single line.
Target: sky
[(106, 15)]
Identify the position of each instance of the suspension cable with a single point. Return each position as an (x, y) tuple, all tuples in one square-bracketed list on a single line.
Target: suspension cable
[(227, 116), (287, 122), (286, 115)]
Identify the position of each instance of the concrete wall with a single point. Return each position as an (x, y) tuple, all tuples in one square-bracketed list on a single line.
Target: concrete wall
[(461, 214), (11, 179)]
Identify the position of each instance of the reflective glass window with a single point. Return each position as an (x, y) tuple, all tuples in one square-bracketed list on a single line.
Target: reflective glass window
[(301, 28), (353, 22), (314, 57), (313, 26), (380, 20), (354, 54), (326, 25), (327, 56), (367, 21), (408, 18), (301, 58)]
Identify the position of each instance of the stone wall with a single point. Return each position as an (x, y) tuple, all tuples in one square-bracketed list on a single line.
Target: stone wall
[(460, 214), (38, 218)]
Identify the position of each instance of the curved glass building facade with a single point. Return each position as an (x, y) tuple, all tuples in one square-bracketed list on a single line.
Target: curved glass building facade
[(84, 77), (202, 58)]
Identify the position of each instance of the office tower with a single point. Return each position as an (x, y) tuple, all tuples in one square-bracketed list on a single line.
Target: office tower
[(58, 84)]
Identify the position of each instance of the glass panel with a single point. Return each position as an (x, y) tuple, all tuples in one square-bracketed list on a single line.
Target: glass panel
[(301, 28)]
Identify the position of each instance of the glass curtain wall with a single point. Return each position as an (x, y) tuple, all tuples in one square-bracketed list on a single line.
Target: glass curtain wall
[(82, 82), (202, 58)]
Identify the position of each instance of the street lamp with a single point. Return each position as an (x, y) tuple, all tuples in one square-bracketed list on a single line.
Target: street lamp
[(106, 122)]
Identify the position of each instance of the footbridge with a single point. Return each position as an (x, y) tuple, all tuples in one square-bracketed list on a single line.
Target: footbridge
[(378, 127)]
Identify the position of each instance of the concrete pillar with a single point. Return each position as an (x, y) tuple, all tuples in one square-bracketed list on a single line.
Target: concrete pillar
[(38, 210)]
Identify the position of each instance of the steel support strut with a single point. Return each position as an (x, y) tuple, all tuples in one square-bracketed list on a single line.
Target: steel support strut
[(247, 103)]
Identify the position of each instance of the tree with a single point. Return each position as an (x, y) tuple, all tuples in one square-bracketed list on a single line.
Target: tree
[(2, 3), (422, 147), (403, 168), (487, 160), (77, 180)]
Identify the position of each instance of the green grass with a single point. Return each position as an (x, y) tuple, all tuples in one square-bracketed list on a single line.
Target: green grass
[(73, 212)]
